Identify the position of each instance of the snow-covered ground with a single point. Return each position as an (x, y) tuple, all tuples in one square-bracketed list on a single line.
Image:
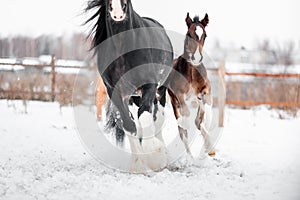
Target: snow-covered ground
[(41, 157)]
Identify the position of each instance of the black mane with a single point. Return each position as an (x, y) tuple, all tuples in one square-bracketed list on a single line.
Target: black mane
[(97, 33)]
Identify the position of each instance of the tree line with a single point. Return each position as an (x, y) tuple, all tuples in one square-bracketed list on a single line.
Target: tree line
[(75, 46)]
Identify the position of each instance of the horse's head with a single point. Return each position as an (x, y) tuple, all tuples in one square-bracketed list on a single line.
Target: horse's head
[(195, 36), (118, 9)]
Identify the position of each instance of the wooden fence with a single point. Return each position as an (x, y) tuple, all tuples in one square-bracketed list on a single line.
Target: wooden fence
[(233, 93), (228, 92), (57, 84), (272, 103)]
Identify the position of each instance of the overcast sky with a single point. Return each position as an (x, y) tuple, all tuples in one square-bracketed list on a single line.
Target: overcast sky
[(231, 21)]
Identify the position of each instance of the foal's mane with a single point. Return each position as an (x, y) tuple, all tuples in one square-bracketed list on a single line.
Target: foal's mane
[(97, 33), (203, 22), (196, 19)]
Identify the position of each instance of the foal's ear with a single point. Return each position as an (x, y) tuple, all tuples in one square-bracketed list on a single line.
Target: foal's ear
[(205, 20), (188, 20)]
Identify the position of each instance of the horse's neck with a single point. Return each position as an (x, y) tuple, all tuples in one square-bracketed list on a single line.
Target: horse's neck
[(133, 21)]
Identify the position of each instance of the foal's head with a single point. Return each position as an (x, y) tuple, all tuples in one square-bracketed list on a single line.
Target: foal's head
[(195, 37)]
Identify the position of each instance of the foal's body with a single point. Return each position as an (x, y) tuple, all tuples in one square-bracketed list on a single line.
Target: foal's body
[(189, 86), (189, 91)]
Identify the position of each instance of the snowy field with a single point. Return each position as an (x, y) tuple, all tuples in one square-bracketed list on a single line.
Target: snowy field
[(41, 157)]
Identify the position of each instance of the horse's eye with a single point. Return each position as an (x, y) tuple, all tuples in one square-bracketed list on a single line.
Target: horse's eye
[(124, 6), (110, 7)]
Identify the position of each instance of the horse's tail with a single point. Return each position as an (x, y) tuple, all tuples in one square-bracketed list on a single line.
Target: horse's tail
[(114, 123)]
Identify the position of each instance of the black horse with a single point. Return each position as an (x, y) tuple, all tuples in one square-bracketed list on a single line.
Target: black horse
[(134, 56)]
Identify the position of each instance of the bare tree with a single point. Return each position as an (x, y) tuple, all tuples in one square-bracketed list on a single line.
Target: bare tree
[(285, 52)]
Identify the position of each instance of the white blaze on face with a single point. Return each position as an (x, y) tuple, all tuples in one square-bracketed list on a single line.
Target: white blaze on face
[(197, 55), (116, 10), (199, 31)]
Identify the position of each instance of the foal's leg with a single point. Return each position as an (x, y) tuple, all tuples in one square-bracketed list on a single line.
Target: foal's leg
[(182, 132), (203, 126), (184, 137)]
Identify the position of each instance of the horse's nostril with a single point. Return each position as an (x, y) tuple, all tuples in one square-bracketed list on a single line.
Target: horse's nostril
[(120, 17)]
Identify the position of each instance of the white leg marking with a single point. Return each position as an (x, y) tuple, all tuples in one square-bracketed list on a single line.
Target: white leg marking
[(207, 116), (184, 122), (151, 154), (185, 142), (160, 119), (147, 124)]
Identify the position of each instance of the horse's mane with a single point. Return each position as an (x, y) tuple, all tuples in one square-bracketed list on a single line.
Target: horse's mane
[(97, 33)]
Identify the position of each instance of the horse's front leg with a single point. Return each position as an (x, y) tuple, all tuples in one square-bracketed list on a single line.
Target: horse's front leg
[(145, 110), (162, 95), (159, 115), (128, 123)]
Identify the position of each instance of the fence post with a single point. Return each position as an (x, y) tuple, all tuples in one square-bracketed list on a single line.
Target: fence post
[(222, 93), (53, 78)]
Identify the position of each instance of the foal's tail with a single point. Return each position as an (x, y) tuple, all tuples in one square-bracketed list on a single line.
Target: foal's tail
[(114, 123)]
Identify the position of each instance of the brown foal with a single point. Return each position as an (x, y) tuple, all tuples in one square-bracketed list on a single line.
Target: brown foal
[(189, 86)]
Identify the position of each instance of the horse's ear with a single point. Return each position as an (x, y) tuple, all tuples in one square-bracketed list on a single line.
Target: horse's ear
[(205, 20), (188, 20)]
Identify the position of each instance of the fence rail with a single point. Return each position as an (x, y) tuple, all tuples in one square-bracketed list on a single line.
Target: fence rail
[(293, 102), (220, 72), (264, 75), (40, 65), (46, 85)]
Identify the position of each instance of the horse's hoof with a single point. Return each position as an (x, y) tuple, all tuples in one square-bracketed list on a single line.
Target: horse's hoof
[(130, 126), (212, 154)]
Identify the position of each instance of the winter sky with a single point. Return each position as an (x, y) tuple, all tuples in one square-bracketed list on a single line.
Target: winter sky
[(231, 21)]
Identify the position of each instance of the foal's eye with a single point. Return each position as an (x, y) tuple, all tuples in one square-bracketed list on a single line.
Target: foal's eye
[(110, 7)]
